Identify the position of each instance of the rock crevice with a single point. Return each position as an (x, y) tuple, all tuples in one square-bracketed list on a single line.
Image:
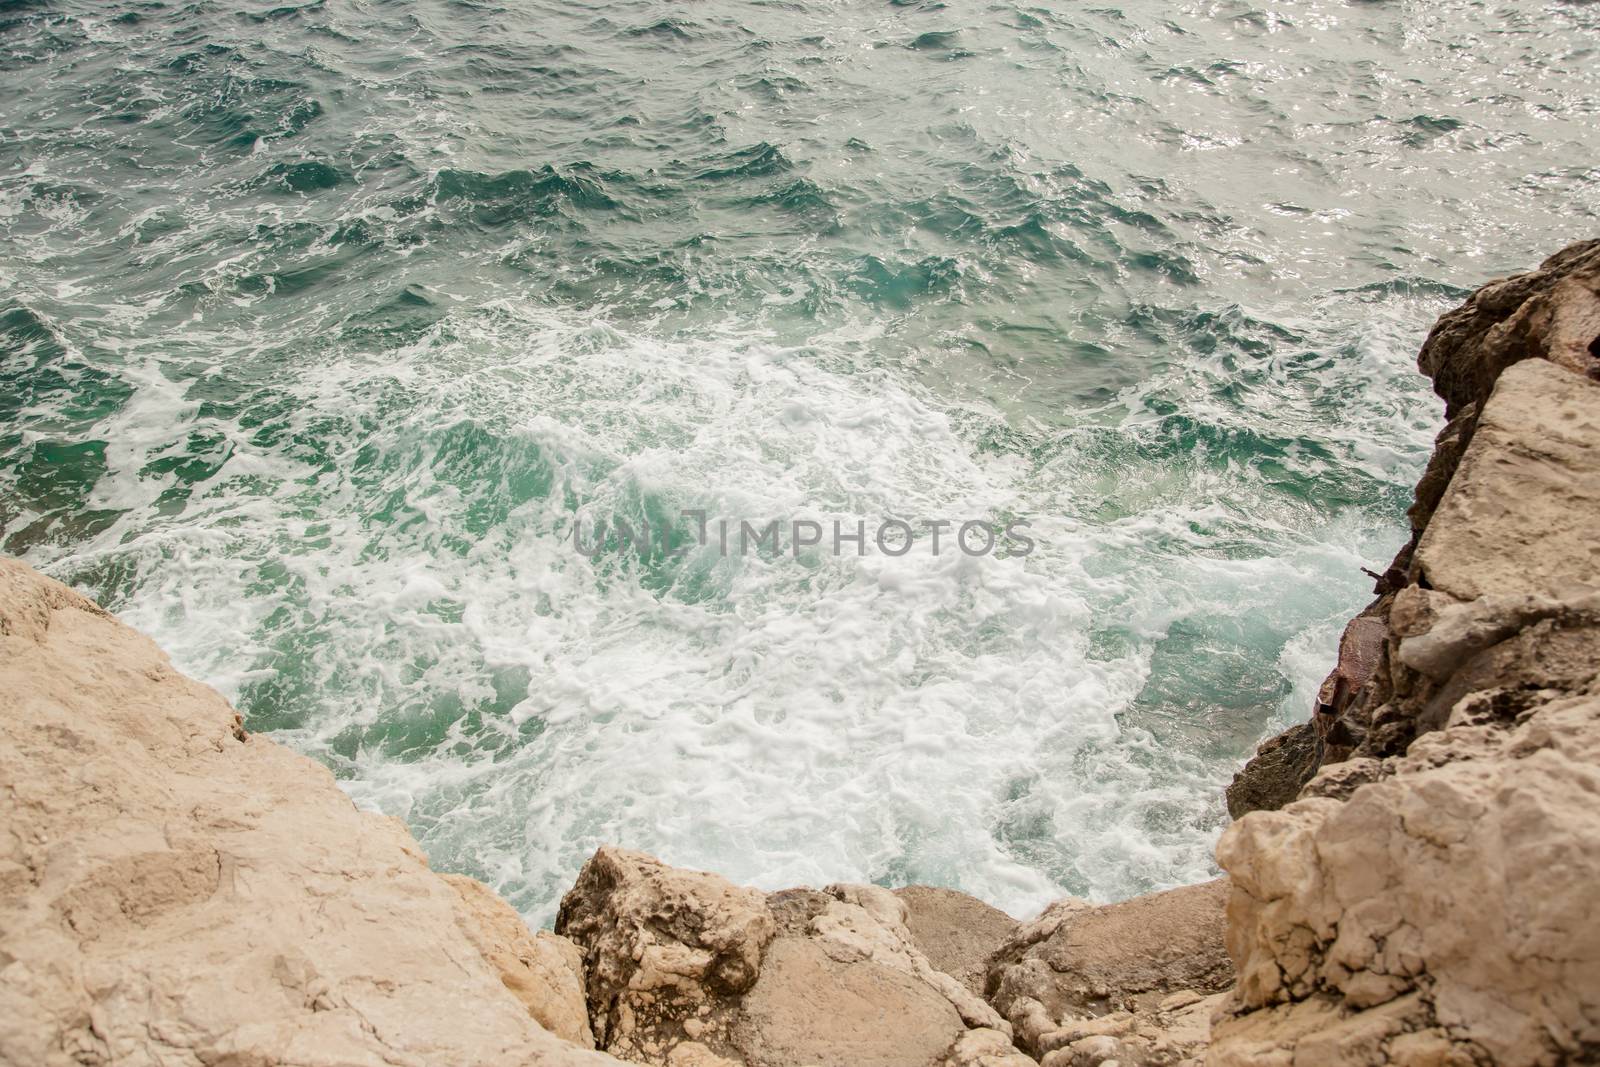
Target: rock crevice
[(1423, 894)]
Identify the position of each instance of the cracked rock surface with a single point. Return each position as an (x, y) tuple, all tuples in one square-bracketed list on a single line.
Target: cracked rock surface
[(1132, 982), (1506, 509), (173, 892), (1444, 913), (686, 969), (1429, 897)]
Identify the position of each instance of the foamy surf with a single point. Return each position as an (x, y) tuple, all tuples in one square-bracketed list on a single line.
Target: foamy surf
[(322, 333), (385, 573)]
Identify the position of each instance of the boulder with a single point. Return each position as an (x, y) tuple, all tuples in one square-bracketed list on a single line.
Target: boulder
[(173, 891), (1083, 971), (683, 967), (958, 933), (667, 954), (1172, 1033)]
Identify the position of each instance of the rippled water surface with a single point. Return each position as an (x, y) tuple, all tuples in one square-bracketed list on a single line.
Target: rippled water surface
[(321, 324)]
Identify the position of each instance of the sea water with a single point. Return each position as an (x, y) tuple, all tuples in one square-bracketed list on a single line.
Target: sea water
[(323, 324)]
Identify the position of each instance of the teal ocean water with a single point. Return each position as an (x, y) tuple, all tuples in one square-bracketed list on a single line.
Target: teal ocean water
[(322, 323)]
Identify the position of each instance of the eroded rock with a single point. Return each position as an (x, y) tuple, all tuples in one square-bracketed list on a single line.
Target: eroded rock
[(1515, 519), (1429, 899), (1274, 776), (174, 893), (1505, 511), (958, 933), (1172, 1033), (542, 970), (1082, 971), (684, 967), (1552, 313), (1447, 906)]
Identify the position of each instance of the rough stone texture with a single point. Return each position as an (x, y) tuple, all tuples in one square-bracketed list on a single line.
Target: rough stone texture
[(1277, 772), (1518, 516), (684, 968), (1430, 898), (541, 969), (1361, 649), (172, 892), (662, 948), (985, 1048), (1505, 508), (1172, 1033), (1078, 964), (1446, 908), (958, 933), (811, 1007), (1552, 313), (1510, 547)]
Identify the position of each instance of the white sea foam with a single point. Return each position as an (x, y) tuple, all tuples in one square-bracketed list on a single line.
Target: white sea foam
[(963, 721), (379, 573)]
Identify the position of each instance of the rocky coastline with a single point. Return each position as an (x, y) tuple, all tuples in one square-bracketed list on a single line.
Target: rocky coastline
[(1410, 879)]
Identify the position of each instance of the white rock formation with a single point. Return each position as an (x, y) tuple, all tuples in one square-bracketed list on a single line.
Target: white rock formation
[(684, 968), (1433, 900), (173, 892), (1132, 983)]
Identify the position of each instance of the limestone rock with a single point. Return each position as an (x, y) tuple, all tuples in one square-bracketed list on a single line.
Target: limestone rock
[(1507, 573), (541, 969), (985, 1048), (1516, 517), (1173, 1032), (1079, 964), (173, 892), (958, 933), (1506, 510), (1552, 313), (1282, 765), (812, 1008), (1429, 900), (667, 953), (683, 968), (1446, 908), (1361, 652)]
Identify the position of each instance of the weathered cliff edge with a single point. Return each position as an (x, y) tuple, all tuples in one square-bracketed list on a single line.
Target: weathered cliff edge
[(1430, 897), (1503, 520), (173, 891)]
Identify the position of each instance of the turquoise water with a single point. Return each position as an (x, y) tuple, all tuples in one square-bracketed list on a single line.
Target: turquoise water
[(322, 323)]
